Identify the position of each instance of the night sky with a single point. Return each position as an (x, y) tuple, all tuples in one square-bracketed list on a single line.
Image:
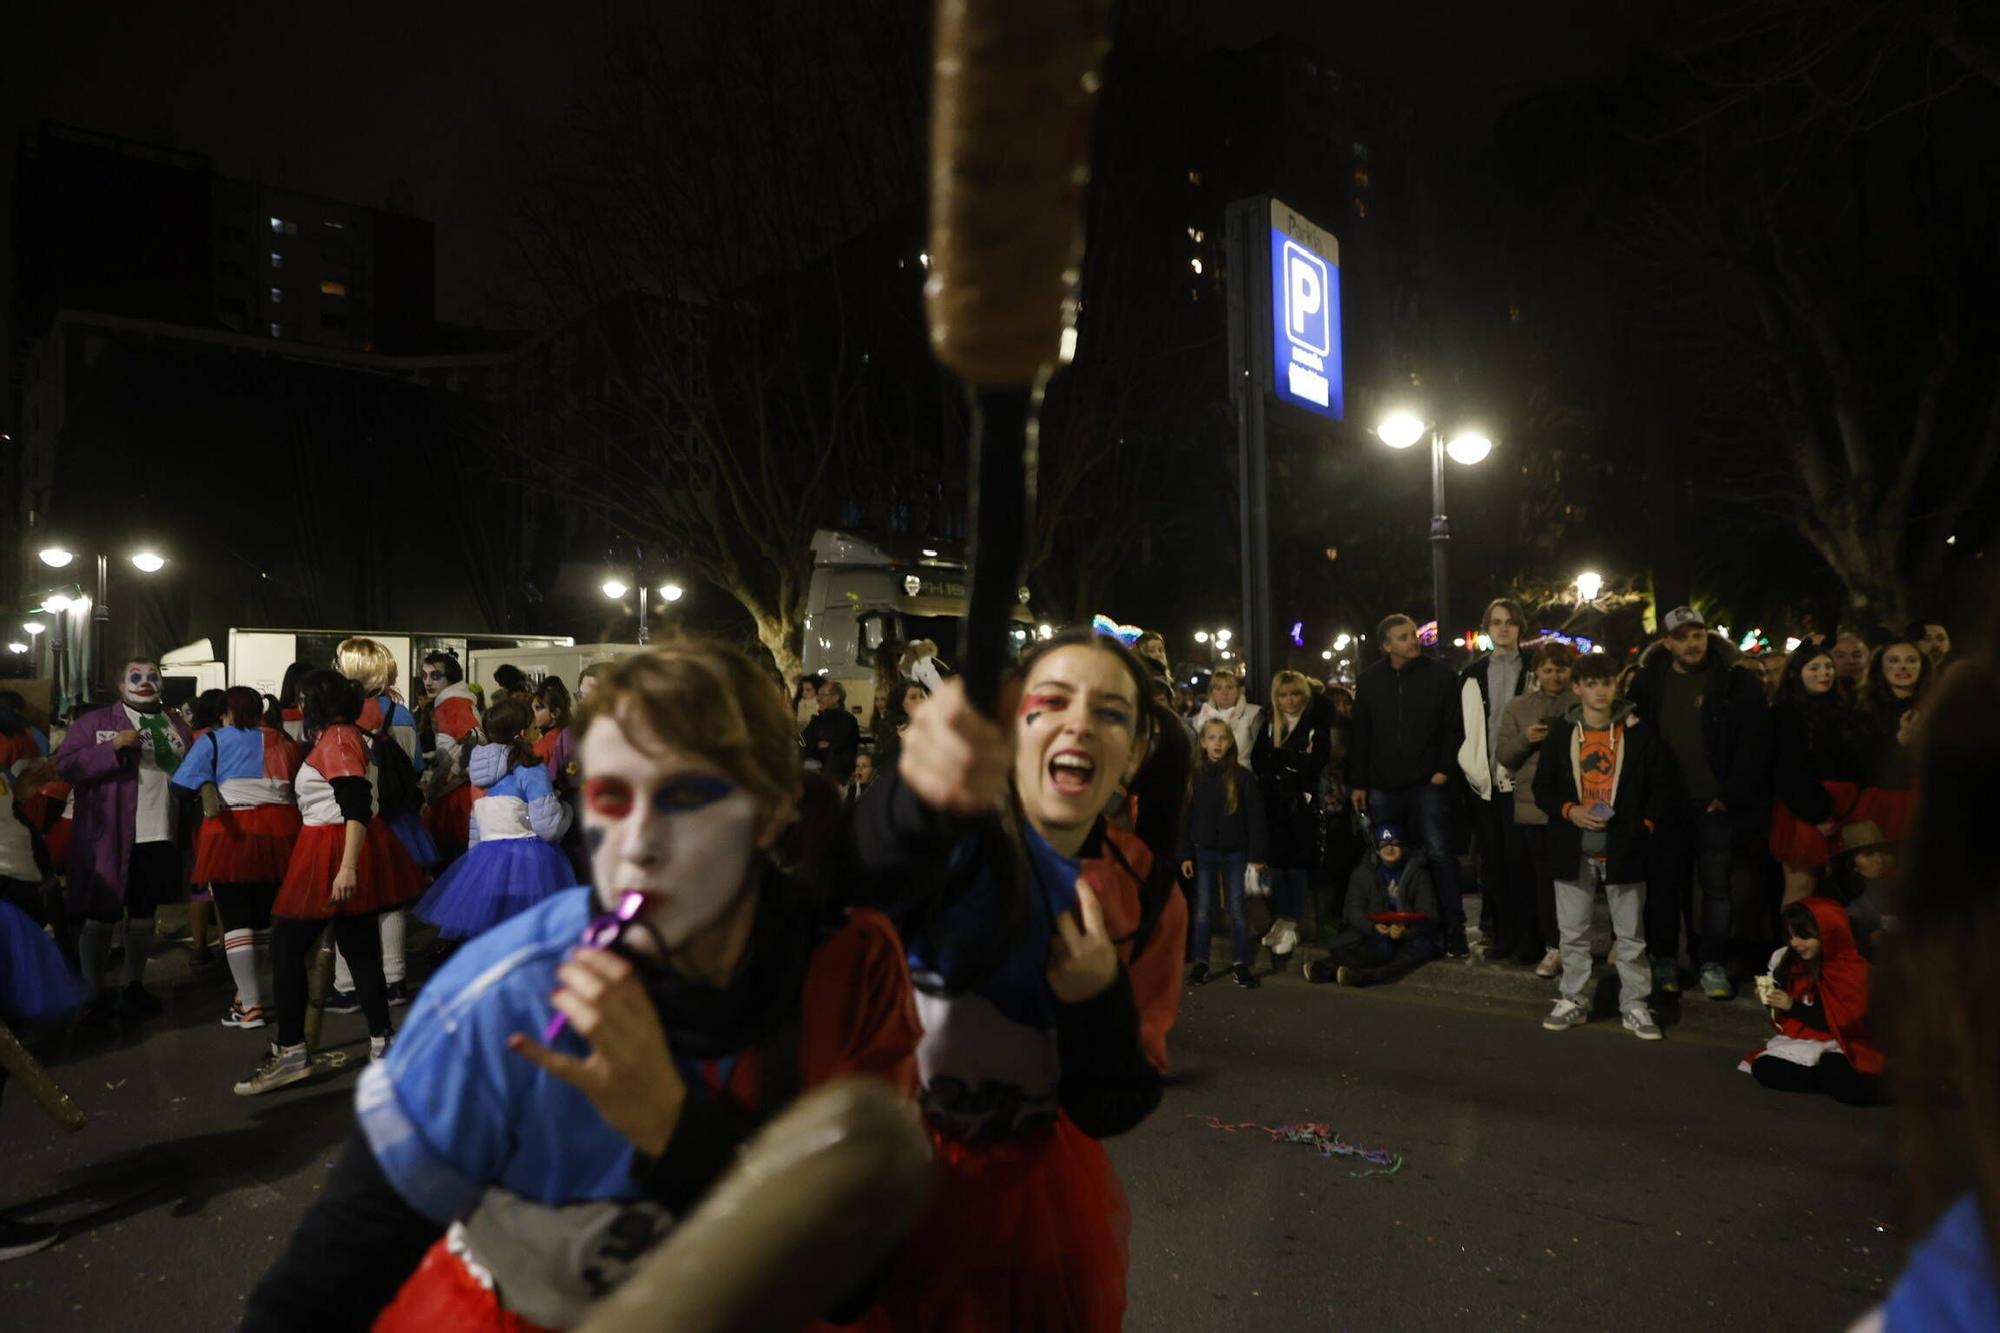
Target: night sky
[(347, 100)]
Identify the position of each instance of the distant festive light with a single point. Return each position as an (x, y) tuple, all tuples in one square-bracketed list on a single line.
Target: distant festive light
[(1751, 640), (1792, 643), (1427, 632), (1326, 656), (1222, 636), (929, 553), (1483, 641), (1588, 585), (1341, 641), (1298, 634), (1201, 636)]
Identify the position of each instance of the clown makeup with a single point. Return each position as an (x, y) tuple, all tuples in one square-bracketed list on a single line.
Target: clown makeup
[(1074, 742), (140, 686), (666, 824), (434, 680)]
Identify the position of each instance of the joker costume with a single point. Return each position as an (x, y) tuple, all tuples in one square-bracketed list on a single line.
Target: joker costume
[(123, 859)]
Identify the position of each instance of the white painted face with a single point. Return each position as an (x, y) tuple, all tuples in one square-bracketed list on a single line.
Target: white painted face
[(140, 686), (665, 823)]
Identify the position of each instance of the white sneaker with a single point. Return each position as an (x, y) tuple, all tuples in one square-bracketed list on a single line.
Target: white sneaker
[(1551, 964), (378, 1047), (1639, 1022), (1284, 936), (1270, 939), (285, 1065), (1567, 1014)]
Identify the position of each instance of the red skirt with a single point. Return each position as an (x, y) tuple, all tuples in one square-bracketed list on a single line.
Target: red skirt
[(388, 877), (443, 1296), (1797, 843), (248, 846), (1023, 1235), (1890, 807), (448, 820), (57, 839)]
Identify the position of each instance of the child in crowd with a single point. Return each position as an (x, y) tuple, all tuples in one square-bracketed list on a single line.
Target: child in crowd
[(1870, 859), (1601, 783), (1818, 997), (1226, 701), (864, 776), (1381, 943), (1222, 833), (555, 746), (512, 861)]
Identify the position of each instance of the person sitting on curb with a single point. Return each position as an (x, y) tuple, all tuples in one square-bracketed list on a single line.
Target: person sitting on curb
[(1600, 781), (1381, 942), (1870, 856)]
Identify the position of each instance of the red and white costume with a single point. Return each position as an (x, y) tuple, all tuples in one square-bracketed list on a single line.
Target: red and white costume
[(387, 876), (450, 794), (250, 840)]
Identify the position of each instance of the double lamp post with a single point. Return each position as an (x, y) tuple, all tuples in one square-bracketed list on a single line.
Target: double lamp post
[(1401, 430)]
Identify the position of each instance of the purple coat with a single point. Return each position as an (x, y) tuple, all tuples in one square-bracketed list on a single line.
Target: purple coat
[(106, 783)]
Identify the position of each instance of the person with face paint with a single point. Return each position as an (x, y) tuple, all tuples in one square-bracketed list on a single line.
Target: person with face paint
[(245, 844), (572, 1082), (123, 857), (1045, 943), (517, 821), (455, 718), (346, 869)]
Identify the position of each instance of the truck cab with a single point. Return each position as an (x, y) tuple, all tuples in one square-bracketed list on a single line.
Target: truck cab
[(866, 595)]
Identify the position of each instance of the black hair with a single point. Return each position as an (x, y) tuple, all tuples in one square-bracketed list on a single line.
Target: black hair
[(207, 709), (326, 697), (288, 692), (553, 695), (510, 677), (507, 723), (274, 716), (447, 663)]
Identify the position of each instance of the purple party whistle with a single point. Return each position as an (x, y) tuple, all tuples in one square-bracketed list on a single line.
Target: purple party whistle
[(603, 931)]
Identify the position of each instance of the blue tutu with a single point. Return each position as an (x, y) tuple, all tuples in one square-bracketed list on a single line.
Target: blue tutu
[(416, 839), (491, 882), (36, 986)]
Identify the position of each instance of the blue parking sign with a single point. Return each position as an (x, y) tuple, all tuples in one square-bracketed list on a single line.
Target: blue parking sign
[(1305, 314)]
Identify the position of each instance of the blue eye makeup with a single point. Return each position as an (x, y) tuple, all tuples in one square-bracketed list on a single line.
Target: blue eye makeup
[(678, 796)]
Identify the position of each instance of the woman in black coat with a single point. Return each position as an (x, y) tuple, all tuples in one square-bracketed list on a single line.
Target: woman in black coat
[(1290, 760)]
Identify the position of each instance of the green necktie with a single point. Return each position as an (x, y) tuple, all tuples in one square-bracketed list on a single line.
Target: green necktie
[(163, 745)]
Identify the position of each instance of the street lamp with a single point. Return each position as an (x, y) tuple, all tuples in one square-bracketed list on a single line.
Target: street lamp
[(615, 588), (671, 592), (1588, 585), (1401, 430), (33, 627), (1201, 636), (55, 557), (147, 562)]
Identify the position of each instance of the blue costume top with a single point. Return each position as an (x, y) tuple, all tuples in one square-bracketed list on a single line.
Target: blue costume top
[(1949, 1285), (220, 754)]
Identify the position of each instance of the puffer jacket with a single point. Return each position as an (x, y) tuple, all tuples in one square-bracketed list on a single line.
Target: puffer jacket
[(1519, 755)]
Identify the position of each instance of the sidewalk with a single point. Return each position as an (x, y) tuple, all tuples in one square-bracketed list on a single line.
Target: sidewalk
[(1739, 1020)]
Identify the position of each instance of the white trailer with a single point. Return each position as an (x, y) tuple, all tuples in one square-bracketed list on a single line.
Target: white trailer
[(259, 657), (564, 661)]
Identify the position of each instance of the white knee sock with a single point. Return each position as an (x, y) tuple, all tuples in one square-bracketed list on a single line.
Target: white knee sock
[(240, 948), (395, 925), (93, 953), (138, 948)]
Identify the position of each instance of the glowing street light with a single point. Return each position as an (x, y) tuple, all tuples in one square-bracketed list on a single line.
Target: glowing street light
[(1326, 656), (1222, 636), (33, 627), (672, 592), (1045, 631), (149, 562), (615, 590), (1402, 429), (1341, 641), (57, 602), (1588, 585), (1201, 636), (57, 557), (17, 647)]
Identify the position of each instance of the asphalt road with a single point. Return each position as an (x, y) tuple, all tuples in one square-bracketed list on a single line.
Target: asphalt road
[(1577, 1181)]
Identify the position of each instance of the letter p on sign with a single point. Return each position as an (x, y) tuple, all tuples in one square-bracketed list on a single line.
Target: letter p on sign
[(1305, 299)]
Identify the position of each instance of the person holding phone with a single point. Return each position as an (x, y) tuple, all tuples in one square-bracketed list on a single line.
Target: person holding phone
[(1600, 782)]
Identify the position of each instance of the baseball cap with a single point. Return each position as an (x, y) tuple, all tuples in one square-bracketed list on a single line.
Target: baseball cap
[(1388, 833), (1682, 616)]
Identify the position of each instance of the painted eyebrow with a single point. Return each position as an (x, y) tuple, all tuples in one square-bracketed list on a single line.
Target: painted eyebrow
[(1107, 698)]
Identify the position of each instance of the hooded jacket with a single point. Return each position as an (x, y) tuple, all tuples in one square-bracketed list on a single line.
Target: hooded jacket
[(1639, 793), (1482, 770), (1519, 755), (1367, 893), (1839, 991), (1735, 722)]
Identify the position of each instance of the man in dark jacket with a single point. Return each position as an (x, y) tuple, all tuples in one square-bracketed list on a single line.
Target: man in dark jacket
[(1601, 782), (1712, 718), (833, 737), (1402, 747)]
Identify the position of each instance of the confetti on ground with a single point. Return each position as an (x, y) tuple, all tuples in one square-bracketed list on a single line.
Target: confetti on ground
[(1322, 1140)]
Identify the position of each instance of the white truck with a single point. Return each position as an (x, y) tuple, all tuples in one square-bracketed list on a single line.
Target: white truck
[(259, 657), (866, 594)]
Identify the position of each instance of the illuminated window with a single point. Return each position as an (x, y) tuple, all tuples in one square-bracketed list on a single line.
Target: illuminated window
[(284, 228), (1360, 152), (1361, 208), (328, 287), (331, 225), (277, 260), (1361, 178), (277, 330), (1194, 178), (277, 294), (1195, 264)]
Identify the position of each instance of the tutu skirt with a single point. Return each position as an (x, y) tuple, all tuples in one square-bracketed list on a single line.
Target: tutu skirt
[(388, 877), (495, 880), (1028, 1234), (1797, 843), (448, 819), (248, 846), (1891, 808), (36, 986), (416, 839)]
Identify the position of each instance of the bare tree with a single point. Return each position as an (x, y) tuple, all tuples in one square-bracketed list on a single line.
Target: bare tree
[(723, 245)]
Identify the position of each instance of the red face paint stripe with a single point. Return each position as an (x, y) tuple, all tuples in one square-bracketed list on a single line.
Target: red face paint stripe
[(1034, 705), (611, 797)]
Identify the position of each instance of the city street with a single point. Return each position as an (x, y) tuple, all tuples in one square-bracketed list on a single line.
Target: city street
[(1585, 1179)]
